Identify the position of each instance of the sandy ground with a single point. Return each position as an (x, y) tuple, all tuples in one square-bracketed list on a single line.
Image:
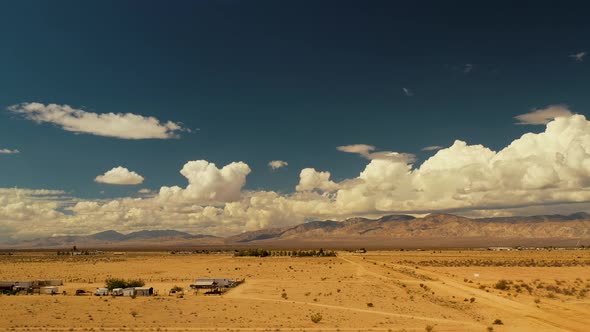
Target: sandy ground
[(376, 291)]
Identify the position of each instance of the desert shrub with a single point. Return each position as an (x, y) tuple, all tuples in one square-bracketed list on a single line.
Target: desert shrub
[(490, 329), (537, 300), (316, 318), (370, 305), (502, 285), (122, 283), (498, 322), (115, 283), (176, 289), (284, 295), (134, 313), (135, 283), (429, 328)]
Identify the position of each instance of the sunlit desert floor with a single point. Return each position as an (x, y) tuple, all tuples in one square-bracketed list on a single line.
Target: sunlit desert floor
[(376, 291)]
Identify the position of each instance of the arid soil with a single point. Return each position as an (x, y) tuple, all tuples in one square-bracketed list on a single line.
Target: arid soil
[(375, 291)]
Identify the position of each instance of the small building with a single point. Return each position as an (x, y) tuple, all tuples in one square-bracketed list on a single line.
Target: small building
[(103, 291), (128, 291), (213, 283), (144, 291), (6, 285), (49, 290), (17, 285), (117, 292)]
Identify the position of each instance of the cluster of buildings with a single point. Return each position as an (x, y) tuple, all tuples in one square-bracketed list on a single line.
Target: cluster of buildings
[(51, 287), (130, 291), (214, 285), (39, 286)]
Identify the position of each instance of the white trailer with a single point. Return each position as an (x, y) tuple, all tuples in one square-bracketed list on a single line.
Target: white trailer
[(50, 290), (103, 291)]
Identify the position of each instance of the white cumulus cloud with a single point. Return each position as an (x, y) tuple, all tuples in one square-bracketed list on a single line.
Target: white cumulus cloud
[(544, 115), (209, 184), (310, 179), (125, 126), (120, 175), (276, 164)]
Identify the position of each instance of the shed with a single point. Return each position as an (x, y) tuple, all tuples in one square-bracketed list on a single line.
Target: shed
[(6, 285), (117, 292), (213, 283), (144, 291)]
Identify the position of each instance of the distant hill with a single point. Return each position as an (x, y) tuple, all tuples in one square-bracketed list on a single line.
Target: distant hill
[(434, 230), (110, 238)]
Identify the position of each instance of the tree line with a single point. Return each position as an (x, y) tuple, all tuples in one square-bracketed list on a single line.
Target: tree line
[(289, 253)]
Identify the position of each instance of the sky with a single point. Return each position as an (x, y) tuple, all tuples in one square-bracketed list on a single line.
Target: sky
[(220, 117)]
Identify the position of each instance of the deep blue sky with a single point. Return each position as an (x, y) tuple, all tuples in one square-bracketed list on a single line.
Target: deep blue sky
[(287, 80)]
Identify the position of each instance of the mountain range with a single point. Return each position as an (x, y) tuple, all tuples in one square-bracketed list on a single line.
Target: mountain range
[(434, 230), (392, 231), (114, 239)]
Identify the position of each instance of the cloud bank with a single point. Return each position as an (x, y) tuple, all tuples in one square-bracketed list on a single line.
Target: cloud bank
[(125, 126), (537, 170)]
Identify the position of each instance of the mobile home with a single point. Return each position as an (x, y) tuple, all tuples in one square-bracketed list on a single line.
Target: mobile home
[(128, 291)]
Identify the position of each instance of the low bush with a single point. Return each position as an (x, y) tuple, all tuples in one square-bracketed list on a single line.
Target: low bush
[(316, 318), (112, 283)]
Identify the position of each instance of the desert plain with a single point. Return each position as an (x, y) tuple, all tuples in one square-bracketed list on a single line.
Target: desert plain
[(434, 290)]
